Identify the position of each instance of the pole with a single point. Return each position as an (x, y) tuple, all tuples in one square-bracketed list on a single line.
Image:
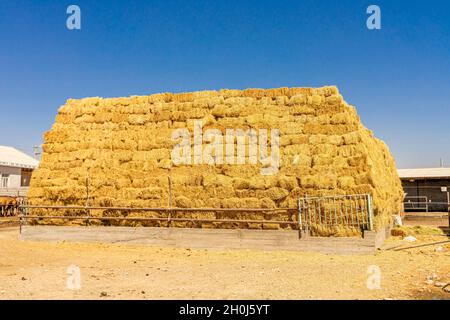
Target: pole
[(448, 209), (307, 216), (20, 222), (370, 209), (170, 202), (87, 210), (299, 219)]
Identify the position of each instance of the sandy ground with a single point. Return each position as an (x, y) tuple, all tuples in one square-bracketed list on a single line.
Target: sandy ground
[(31, 270), (439, 220)]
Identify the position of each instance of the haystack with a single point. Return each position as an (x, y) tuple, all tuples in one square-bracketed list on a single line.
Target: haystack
[(119, 152)]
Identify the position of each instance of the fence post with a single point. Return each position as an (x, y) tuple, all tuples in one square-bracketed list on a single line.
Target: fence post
[(308, 216), (169, 215), (370, 211), (19, 214), (448, 208), (88, 221), (25, 213), (299, 219), (86, 205)]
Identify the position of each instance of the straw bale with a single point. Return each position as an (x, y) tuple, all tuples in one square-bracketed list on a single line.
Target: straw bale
[(239, 184), (276, 193), (288, 183), (183, 202)]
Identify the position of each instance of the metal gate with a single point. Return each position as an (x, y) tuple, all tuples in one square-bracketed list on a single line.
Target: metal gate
[(418, 203), (334, 212)]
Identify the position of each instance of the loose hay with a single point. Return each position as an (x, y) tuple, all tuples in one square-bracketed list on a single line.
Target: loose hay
[(117, 152), (404, 231)]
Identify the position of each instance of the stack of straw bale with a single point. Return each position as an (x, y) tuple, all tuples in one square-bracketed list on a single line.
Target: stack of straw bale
[(117, 152)]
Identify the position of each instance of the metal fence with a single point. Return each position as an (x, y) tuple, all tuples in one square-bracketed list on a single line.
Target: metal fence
[(429, 208), (354, 211), (14, 192), (415, 203), (426, 195), (84, 213)]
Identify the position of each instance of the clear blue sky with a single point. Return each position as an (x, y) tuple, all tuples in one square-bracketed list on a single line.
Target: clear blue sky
[(397, 77)]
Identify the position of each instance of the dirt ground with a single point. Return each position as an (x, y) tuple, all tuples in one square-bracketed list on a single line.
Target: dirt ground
[(33, 270), (439, 220)]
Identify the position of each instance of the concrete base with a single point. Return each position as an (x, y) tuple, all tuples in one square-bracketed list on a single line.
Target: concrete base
[(206, 238)]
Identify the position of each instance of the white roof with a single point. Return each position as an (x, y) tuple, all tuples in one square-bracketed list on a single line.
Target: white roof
[(12, 157), (424, 173)]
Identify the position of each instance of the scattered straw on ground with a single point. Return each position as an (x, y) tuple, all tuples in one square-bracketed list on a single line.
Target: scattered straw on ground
[(405, 231)]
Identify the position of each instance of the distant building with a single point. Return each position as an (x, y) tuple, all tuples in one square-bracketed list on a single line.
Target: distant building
[(15, 171), (426, 189)]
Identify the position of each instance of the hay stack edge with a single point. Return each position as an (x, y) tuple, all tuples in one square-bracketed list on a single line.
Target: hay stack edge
[(117, 153)]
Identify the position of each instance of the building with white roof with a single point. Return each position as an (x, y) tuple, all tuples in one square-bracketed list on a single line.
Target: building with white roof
[(424, 173), (16, 168), (426, 189)]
